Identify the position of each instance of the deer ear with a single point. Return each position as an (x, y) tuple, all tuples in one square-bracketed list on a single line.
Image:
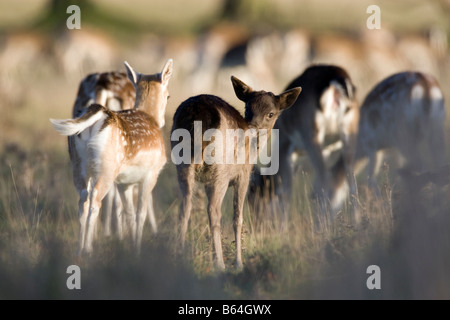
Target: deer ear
[(288, 98), (166, 73), (132, 74), (241, 89)]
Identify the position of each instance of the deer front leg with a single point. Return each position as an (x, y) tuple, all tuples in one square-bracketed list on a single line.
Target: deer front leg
[(240, 190), (215, 194)]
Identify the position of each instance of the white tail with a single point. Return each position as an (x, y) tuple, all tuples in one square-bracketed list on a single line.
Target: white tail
[(123, 147), (69, 127)]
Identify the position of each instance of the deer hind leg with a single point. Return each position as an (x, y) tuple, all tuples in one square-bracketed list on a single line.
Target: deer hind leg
[(151, 214), (126, 195), (99, 191), (145, 193), (215, 194), (117, 213), (107, 205), (186, 180), (240, 190), (437, 147), (83, 212)]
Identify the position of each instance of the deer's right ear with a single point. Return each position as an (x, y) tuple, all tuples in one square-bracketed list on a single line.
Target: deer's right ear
[(288, 98), (241, 89), (132, 74), (166, 73)]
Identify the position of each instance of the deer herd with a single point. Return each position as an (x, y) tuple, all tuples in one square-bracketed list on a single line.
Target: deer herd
[(116, 144)]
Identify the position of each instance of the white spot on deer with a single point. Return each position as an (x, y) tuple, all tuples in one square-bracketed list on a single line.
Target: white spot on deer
[(417, 92), (437, 110), (436, 93)]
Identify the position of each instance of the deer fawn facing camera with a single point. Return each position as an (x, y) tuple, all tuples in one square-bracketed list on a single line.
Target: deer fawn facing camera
[(406, 112), (326, 109), (220, 163), (123, 147)]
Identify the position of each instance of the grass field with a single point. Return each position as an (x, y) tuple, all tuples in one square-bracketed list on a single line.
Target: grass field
[(405, 234)]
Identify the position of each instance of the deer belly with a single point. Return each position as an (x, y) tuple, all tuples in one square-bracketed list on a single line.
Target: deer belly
[(131, 174)]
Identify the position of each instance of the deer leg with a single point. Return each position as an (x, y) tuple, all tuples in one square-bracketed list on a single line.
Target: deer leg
[(83, 212), (99, 191), (437, 147), (107, 205), (240, 190), (126, 195), (151, 214), (375, 159), (145, 193), (215, 194), (186, 181), (321, 178), (117, 210)]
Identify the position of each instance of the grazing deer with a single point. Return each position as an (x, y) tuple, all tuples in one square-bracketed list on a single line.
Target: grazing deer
[(406, 112), (110, 89), (327, 108), (115, 91), (123, 147), (261, 111)]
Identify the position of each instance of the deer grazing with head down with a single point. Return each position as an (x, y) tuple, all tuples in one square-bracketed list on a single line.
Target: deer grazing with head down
[(123, 147), (405, 112), (214, 162), (327, 109)]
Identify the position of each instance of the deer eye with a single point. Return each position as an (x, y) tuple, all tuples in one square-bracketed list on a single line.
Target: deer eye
[(271, 115)]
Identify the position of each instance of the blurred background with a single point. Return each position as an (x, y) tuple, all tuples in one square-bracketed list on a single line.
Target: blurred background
[(266, 43)]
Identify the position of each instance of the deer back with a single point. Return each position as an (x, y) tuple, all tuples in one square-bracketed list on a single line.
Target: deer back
[(110, 89)]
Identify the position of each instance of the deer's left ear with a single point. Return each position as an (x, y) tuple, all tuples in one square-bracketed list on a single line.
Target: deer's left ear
[(288, 98), (132, 74), (166, 73)]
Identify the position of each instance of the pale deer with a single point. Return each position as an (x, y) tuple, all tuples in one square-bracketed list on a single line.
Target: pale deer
[(115, 91), (405, 112), (123, 147), (261, 111), (327, 109)]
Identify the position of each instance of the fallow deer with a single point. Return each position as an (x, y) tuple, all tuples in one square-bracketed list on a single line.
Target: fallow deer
[(406, 112), (123, 147), (115, 91), (327, 109), (261, 111)]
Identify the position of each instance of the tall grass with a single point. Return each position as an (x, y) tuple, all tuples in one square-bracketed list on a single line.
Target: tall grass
[(293, 260)]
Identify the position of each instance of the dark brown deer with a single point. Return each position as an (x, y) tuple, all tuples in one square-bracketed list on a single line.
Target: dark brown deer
[(327, 109), (193, 120), (123, 147)]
